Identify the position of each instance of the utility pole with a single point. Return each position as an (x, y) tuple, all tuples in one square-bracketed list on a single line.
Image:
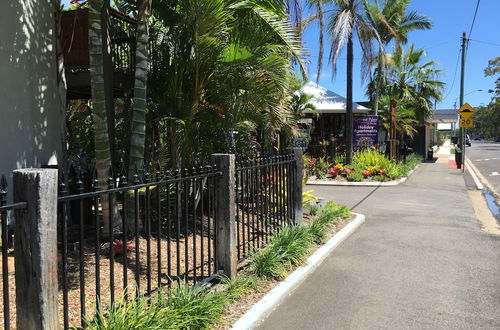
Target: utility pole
[(462, 81)]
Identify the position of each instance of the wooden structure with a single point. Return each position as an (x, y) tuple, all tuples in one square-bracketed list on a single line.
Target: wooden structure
[(118, 49)]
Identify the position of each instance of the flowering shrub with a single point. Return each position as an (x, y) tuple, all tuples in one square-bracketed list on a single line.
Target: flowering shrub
[(348, 170), (382, 171), (366, 173), (334, 171)]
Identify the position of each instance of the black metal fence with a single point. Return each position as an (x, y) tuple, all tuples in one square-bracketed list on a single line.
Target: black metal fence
[(264, 199), (129, 239), (8, 293), (120, 239)]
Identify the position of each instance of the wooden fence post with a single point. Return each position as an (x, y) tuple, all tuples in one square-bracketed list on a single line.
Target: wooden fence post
[(226, 249), (35, 249), (297, 185)]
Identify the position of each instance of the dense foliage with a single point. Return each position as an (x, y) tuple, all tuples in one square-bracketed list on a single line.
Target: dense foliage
[(367, 164)]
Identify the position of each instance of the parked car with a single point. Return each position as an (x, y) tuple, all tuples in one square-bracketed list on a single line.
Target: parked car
[(477, 138), (497, 139), (467, 140)]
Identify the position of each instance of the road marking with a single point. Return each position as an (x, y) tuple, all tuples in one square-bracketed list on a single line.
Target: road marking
[(494, 174)]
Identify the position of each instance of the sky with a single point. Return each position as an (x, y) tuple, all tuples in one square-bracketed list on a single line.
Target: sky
[(442, 44)]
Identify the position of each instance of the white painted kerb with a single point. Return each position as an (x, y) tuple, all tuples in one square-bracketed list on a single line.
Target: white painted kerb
[(273, 298)]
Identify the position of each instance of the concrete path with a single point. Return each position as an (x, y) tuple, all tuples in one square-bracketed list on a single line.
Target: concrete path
[(420, 261)]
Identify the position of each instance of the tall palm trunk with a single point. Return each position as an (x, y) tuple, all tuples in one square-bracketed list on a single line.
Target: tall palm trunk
[(319, 8), (138, 128), (349, 114), (101, 139)]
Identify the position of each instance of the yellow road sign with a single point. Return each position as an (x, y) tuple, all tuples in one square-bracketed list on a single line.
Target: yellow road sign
[(466, 123), (466, 111)]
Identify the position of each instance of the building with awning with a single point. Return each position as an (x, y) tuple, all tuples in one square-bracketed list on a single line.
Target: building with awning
[(328, 123), (327, 101), (444, 119)]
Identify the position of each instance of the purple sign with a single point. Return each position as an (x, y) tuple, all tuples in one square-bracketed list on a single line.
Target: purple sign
[(365, 132)]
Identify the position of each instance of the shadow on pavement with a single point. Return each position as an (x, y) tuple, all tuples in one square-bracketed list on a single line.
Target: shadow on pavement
[(365, 198)]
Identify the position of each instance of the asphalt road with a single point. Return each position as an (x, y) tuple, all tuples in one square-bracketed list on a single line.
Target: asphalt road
[(420, 261), (486, 157)]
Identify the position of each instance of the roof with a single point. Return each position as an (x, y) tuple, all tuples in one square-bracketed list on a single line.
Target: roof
[(444, 116), (327, 101)]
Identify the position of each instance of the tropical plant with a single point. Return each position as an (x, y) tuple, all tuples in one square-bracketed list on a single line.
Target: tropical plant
[(101, 139), (347, 21), (392, 22), (221, 74), (413, 84), (138, 128)]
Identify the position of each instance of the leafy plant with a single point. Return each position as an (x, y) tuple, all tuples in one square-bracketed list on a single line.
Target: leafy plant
[(287, 248), (313, 210), (180, 307), (355, 176), (308, 198)]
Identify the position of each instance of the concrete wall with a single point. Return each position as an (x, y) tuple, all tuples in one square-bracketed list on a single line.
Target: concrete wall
[(29, 108)]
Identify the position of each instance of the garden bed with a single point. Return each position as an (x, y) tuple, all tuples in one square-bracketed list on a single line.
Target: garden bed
[(239, 307), (368, 168)]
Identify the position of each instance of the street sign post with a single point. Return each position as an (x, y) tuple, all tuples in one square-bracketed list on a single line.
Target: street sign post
[(465, 112), (466, 123)]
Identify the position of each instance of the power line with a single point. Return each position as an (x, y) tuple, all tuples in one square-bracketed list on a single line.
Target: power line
[(454, 76), (474, 19), (485, 42)]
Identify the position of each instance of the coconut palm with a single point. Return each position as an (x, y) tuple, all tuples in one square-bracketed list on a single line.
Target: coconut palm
[(347, 21), (392, 22)]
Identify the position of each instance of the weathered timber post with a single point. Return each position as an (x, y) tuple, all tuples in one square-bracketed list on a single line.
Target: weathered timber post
[(225, 190), (298, 174), (35, 249)]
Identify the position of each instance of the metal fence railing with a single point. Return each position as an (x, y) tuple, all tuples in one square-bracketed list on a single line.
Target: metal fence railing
[(119, 239), (131, 238), (264, 199), (8, 293)]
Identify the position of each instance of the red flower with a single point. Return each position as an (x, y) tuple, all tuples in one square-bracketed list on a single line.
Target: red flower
[(334, 171), (312, 161), (366, 173), (382, 172), (349, 170)]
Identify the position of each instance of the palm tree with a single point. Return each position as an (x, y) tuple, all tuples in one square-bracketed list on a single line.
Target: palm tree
[(317, 6), (138, 129), (101, 139), (413, 83), (222, 72), (392, 22), (348, 20)]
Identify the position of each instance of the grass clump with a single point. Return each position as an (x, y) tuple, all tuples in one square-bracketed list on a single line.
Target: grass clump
[(289, 247), (329, 215), (292, 244), (180, 307), (313, 210)]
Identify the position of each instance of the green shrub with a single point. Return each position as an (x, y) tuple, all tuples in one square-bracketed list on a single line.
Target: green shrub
[(356, 177), (289, 247), (329, 214), (370, 158), (180, 307), (313, 210)]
